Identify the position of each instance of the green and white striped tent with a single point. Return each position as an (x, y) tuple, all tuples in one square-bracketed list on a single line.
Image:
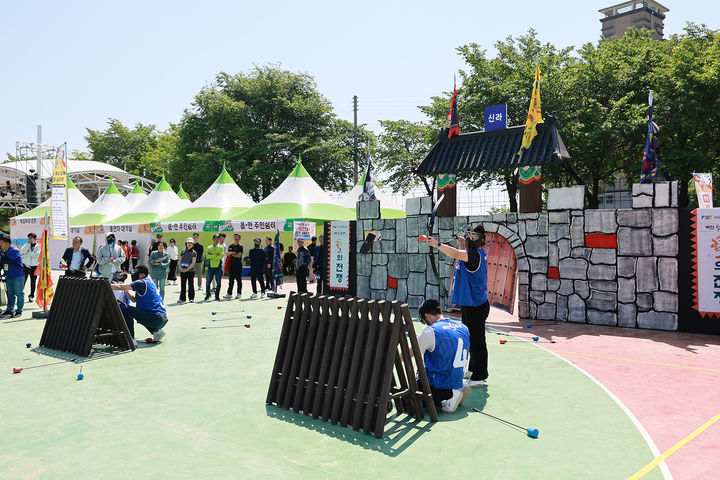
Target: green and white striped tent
[(388, 209), (109, 205), (298, 196), (77, 202), (184, 197), (223, 200), (159, 204), (136, 196)]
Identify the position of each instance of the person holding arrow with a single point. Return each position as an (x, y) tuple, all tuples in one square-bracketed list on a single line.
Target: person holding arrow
[(470, 292)]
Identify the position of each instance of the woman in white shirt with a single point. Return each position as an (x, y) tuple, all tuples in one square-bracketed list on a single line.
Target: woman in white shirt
[(173, 253), (30, 258)]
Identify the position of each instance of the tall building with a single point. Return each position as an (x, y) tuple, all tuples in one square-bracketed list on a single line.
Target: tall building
[(620, 17)]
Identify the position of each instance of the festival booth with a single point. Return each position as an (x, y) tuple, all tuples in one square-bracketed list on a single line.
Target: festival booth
[(298, 198), (136, 224), (34, 221), (136, 195), (88, 224), (388, 209)]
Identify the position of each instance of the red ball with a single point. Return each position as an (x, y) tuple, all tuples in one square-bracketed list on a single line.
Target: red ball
[(502, 341), (149, 340), (422, 238), (247, 325), (279, 307), (17, 369)]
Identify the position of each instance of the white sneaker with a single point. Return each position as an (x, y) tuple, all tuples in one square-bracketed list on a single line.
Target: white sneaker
[(262, 295), (467, 375), (475, 383), (239, 295), (450, 405), (227, 296), (157, 336), (254, 295)]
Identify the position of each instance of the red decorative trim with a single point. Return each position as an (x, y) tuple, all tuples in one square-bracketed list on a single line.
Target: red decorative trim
[(694, 266), (554, 273), (601, 240), (392, 282)]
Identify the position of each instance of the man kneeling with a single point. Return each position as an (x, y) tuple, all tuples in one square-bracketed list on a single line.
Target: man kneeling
[(149, 310), (444, 345)]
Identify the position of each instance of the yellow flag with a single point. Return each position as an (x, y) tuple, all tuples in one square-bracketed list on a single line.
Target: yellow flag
[(534, 115)]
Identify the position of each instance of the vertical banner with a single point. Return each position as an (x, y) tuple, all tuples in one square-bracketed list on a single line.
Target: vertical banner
[(703, 189), (339, 265), (707, 284), (303, 230), (58, 204)]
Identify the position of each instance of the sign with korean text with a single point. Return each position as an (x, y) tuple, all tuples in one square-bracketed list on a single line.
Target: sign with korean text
[(703, 188), (708, 260), (59, 224), (257, 225), (496, 117), (303, 230), (339, 267)]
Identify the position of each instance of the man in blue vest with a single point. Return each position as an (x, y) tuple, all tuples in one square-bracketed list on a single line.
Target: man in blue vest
[(470, 292), (444, 345), (149, 310), (12, 264)]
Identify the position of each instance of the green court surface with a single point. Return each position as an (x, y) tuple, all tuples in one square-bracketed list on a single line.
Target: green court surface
[(193, 406)]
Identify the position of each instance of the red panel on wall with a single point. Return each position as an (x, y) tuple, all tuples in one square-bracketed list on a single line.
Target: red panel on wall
[(392, 282), (553, 272), (601, 240)]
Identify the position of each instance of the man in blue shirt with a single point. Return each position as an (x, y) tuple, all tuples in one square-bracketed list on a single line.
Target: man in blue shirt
[(11, 261), (444, 344), (470, 292), (149, 310)]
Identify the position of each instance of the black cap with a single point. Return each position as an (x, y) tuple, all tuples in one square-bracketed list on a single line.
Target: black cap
[(429, 306)]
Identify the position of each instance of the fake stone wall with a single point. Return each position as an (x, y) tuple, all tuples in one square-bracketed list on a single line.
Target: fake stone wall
[(605, 267)]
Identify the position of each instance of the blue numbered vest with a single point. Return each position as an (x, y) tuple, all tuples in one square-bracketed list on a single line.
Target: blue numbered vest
[(470, 288), (445, 364), (151, 301)]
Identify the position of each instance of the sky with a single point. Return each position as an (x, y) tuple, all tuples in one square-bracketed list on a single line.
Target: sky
[(72, 65)]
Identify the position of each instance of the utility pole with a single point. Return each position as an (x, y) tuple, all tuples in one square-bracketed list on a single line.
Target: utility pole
[(39, 184), (355, 171)]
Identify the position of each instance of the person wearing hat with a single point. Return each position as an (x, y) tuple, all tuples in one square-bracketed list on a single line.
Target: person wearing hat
[(443, 344), (257, 268), (215, 253), (188, 258), (149, 309), (110, 257), (470, 292), (77, 259)]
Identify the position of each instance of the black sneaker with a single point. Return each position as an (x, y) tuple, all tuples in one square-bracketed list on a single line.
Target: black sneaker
[(6, 313), (191, 301), (207, 297), (16, 314), (31, 298)]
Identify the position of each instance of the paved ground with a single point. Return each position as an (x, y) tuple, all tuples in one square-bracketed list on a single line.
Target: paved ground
[(193, 407), (669, 381)]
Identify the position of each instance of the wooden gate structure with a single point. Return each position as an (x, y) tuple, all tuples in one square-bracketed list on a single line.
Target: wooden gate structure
[(345, 359), (84, 311), (502, 271)]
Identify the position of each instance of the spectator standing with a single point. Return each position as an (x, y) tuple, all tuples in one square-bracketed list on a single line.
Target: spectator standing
[(154, 245), (77, 259), (126, 250), (172, 251), (30, 258), (234, 256), (215, 253), (133, 254), (269, 257), (303, 265), (311, 249), (320, 266), (110, 257), (159, 261), (187, 271), (199, 259), (257, 268), (11, 260), (289, 262)]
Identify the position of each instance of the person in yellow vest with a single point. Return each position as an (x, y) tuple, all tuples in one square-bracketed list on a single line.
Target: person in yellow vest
[(215, 254)]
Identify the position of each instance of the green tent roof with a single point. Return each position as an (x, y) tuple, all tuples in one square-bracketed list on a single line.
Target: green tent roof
[(181, 193), (136, 188)]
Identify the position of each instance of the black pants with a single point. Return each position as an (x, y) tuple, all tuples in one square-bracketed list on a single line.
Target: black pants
[(320, 283), (257, 276), (269, 278), (187, 281), (302, 278), (171, 272), (134, 262), (235, 275), (30, 272), (474, 319)]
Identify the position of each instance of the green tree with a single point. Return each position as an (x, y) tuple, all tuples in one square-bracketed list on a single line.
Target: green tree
[(257, 124), (402, 145)]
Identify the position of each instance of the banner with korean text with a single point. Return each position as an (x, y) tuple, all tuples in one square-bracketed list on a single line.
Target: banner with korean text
[(339, 265), (707, 285), (59, 222)]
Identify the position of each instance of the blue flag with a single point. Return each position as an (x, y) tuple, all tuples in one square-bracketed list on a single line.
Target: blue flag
[(650, 159)]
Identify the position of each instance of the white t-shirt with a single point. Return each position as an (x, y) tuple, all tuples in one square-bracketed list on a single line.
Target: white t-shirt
[(172, 252), (426, 340)]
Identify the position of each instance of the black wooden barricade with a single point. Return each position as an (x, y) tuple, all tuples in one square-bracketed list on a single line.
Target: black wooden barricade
[(347, 360), (83, 312)]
